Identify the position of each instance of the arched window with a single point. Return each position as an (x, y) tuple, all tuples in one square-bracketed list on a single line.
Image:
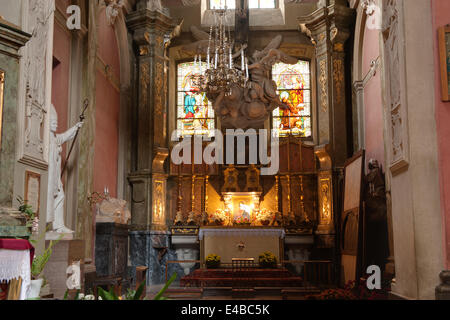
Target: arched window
[(195, 115), (253, 4), (294, 87)]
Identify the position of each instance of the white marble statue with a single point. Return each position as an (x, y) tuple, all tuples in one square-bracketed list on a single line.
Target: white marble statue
[(55, 204)]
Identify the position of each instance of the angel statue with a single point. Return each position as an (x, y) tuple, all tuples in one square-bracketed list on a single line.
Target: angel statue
[(251, 106), (55, 203)]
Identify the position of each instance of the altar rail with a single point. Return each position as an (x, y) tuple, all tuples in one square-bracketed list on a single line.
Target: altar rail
[(315, 273)]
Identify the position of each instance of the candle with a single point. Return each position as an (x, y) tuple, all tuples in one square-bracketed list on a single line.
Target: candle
[(242, 59), (231, 59), (246, 68), (207, 59), (200, 62), (215, 60)]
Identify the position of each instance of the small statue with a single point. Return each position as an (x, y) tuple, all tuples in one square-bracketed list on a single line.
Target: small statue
[(191, 221), (291, 220), (55, 203), (205, 218), (277, 219), (179, 221)]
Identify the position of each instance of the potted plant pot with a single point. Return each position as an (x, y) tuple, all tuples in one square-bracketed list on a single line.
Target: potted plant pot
[(212, 261), (35, 288)]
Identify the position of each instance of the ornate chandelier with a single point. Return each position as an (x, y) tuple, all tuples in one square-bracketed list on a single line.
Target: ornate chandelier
[(220, 74)]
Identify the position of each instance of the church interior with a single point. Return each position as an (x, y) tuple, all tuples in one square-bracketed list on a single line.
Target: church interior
[(224, 149)]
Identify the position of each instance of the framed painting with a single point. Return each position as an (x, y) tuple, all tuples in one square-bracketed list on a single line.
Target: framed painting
[(351, 218), (444, 54), (33, 190)]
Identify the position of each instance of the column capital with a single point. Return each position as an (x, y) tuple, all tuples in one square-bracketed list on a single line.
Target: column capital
[(153, 20)]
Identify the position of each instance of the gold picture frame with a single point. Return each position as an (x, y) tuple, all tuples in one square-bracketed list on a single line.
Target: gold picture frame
[(444, 55), (33, 190)]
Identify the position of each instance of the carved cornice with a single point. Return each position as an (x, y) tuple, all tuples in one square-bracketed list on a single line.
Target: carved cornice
[(148, 19), (12, 38)]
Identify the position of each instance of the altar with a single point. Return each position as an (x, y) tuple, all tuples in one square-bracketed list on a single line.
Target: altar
[(241, 242)]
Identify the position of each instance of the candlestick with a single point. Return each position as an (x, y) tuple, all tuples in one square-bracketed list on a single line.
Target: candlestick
[(246, 68), (215, 60)]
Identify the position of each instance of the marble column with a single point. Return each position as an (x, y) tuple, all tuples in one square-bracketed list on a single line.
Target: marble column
[(330, 27), (151, 28), (11, 40)]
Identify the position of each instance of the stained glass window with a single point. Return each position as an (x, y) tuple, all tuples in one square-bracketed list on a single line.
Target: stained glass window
[(231, 4), (261, 4), (294, 87), (195, 114)]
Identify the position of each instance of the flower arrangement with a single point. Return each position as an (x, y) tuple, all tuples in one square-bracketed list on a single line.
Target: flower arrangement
[(32, 219), (267, 260), (242, 221), (265, 217), (351, 291), (212, 261), (219, 217)]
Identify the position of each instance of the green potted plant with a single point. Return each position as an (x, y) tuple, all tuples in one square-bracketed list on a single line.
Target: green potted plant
[(212, 261), (32, 219), (37, 267), (267, 260)]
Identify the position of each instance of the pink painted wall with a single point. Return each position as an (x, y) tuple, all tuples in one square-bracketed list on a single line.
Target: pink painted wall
[(60, 81), (441, 17), (373, 107), (107, 112)]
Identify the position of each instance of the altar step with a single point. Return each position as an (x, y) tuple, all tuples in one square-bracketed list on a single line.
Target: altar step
[(221, 293), (205, 278)]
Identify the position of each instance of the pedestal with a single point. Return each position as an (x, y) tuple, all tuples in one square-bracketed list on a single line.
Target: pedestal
[(64, 254), (111, 249), (13, 224), (443, 290), (151, 249), (298, 248)]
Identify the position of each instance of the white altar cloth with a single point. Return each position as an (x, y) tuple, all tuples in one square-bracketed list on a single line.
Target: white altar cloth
[(249, 242), (15, 264), (233, 232)]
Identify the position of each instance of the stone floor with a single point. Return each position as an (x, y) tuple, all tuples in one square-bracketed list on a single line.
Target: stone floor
[(181, 293)]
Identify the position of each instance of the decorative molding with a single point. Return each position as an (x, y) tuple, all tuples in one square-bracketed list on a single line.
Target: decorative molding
[(338, 77), (248, 232), (112, 11), (36, 83), (323, 80), (395, 82)]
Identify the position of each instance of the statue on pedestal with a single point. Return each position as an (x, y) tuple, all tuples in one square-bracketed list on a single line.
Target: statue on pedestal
[(55, 204)]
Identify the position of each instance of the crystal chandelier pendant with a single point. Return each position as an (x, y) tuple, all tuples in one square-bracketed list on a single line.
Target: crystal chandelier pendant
[(221, 74)]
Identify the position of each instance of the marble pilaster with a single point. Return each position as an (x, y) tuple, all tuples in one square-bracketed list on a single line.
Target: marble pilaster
[(151, 29), (330, 27)]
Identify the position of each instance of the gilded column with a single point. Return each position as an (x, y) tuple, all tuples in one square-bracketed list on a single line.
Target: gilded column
[(151, 27), (329, 27)]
